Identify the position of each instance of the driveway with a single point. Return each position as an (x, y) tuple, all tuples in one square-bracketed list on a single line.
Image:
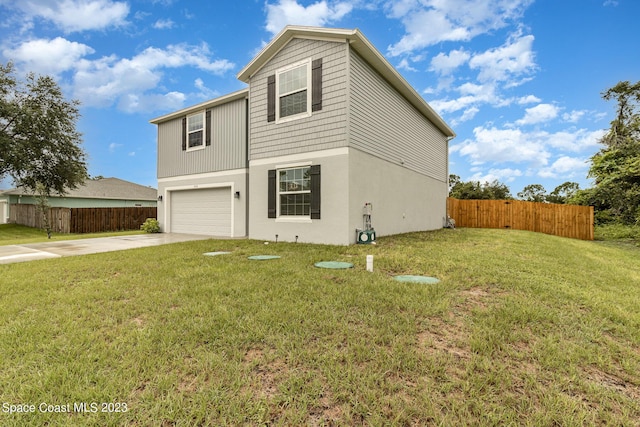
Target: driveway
[(34, 251)]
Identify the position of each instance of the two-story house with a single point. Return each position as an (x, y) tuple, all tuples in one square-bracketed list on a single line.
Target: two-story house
[(325, 125)]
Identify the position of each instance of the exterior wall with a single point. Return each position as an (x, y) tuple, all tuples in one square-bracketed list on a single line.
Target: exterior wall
[(228, 149), (331, 228), (385, 124), (236, 179), (324, 129), (403, 200)]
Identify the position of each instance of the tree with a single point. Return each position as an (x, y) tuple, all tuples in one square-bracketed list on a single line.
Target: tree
[(616, 167), (40, 147), (563, 192), (533, 193), (494, 190)]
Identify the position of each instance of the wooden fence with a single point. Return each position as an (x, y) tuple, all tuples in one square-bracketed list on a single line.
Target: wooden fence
[(83, 220), (560, 220)]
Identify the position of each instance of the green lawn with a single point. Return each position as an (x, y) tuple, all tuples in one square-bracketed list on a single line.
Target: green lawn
[(523, 329), (13, 234)]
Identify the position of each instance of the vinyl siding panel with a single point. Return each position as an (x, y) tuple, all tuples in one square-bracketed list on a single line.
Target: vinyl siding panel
[(383, 123), (227, 150), (324, 129)]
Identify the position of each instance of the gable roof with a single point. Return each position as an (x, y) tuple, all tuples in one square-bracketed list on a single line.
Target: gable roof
[(363, 47), (105, 188)]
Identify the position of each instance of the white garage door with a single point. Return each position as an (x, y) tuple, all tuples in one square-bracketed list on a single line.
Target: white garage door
[(204, 211)]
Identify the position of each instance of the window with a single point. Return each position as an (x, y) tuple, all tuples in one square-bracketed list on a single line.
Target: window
[(292, 90), (294, 192), (195, 131)]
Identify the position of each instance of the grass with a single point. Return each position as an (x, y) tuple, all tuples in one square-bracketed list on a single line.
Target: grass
[(14, 234), (523, 329)]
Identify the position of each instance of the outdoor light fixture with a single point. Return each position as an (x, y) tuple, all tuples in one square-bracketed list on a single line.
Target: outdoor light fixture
[(160, 198), (237, 196)]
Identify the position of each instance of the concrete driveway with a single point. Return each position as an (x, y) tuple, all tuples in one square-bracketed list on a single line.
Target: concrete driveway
[(34, 251)]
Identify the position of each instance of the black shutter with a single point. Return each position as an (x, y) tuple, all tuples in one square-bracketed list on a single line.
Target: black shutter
[(184, 134), (271, 98), (314, 173), (271, 203), (316, 85), (208, 127)]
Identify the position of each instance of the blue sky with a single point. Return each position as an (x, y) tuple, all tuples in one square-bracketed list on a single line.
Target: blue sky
[(518, 80)]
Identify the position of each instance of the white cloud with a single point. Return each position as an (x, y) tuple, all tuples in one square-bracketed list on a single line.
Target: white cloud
[(77, 15), (289, 12), (109, 79), (429, 22), (574, 116), (514, 58), (135, 103), (503, 145), (164, 24), (502, 175), (48, 57), (114, 146), (529, 99), (404, 65), (566, 167), (538, 114), (445, 64)]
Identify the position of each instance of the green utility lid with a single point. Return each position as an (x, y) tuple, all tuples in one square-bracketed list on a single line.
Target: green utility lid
[(333, 264), (215, 253), (417, 279), (263, 257)]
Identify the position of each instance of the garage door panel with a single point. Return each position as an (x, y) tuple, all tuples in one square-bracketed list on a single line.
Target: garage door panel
[(202, 211)]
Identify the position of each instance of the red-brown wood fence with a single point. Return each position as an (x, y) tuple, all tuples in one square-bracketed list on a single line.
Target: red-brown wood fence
[(83, 220), (560, 220)]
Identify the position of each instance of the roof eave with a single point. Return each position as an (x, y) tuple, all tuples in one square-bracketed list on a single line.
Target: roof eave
[(242, 93)]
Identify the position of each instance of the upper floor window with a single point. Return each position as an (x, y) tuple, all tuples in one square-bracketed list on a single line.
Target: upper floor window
[(294, 91), (195, 131), (293, 83)]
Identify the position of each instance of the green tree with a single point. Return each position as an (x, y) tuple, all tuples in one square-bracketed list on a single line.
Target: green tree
[(494, 190), (616, 167), (563, 193), (533, 193), (39, 143)]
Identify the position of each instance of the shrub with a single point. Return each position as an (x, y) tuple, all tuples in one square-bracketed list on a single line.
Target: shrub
[(151, 225)]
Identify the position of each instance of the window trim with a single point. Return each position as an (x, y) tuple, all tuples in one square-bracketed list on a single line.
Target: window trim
[(204, 131), (295, 218), (308, 88)]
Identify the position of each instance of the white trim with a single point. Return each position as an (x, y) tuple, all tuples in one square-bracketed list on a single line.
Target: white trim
[(296, 219), (206, 175), (293, 165), (167, 201), (233, 96), (202, 113), (300, 157), (308, 89)]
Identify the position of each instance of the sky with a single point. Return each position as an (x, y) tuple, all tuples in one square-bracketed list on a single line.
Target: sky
[(519, 81)]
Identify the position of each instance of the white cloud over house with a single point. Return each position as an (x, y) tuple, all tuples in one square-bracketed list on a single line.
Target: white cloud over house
[(290, 12)]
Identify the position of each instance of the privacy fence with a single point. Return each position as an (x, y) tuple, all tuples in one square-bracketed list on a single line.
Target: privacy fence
[(83, 220), (560, 220)]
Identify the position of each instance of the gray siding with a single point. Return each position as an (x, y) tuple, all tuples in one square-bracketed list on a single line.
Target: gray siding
[(324, 129), (227, 150), (385, 124)]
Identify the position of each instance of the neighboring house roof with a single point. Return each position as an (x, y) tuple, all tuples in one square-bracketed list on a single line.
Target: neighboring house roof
[(105, 188), (361, 45)]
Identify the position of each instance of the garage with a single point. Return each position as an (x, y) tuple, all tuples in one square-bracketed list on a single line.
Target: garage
[(201, 211)]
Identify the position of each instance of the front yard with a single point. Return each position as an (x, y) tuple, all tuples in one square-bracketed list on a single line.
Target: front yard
[(523, 329)]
